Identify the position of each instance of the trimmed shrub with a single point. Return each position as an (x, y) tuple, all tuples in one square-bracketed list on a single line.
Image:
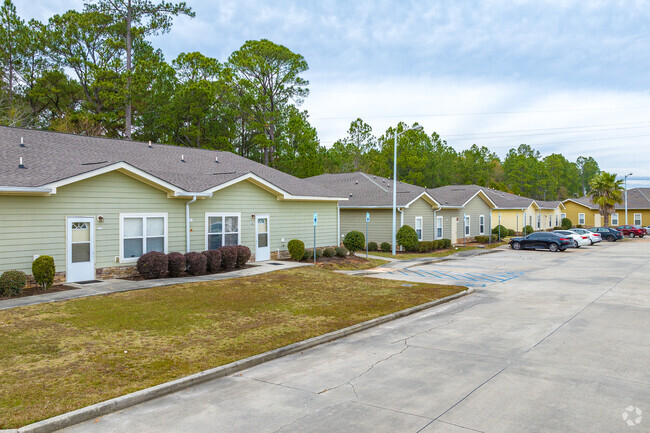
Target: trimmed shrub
[(319, 253), (372, 246), (296, 249), (243, 255), (176, 264), (152, 265), (427, 246), (12, 282), (329, 252), (579, 226), (308, 255), (511, 232), (566, 223), (354, 241), (341, 252), (385, 247), (196, 263), (446, 243), (500, 228), (43, 270), (407, 238), (486, 239), (228, 258), (529, 229), (557, 228), (213, 261)]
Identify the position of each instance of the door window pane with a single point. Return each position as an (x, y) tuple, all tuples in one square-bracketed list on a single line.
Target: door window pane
[(155, 227), (262, 225), (132, 227), (80, 232), (156, 244), (81, 252), (132, 248), (262, 240)]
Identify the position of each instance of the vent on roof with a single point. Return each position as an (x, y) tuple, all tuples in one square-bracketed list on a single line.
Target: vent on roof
[(150, 145), (216, 159), (350, 195), (224, 172), (20, 163), (22, 142), (183, 158), (356, 181), (93, 163)]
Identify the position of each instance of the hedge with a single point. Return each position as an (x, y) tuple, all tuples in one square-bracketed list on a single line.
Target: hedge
[(486, 239), (407, 238), (213, 261), (176, 264), (385, 247), (341, 252), (196, 263), (152, 265), (243, 255), (228, 258)]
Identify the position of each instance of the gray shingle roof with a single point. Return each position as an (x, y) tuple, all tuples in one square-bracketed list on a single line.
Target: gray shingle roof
[(548, 204), (365, 190), (454, 195), (637, 198), (506, 200), (52, 156)]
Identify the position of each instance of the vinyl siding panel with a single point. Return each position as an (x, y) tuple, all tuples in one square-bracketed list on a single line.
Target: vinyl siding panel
[(37, 225), (477, 206), (287, 219), (513, 218), (573, 209), (379, 227), (420, 208), (447, 215)]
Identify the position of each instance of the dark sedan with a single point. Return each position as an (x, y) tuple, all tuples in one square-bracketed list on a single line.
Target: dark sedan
[(608, 233), (542, 240)]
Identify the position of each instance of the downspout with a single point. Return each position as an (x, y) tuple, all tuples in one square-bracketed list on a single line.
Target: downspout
[(338, 225), (401, 221), (187, 222), (435, 224)]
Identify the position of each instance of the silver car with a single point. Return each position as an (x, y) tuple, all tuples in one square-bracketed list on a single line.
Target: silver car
[(593, 237)]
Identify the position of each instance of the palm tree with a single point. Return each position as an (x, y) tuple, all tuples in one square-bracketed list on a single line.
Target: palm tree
[(606, 191)]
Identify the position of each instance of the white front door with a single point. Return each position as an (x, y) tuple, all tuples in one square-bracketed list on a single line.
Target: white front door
[(262, 238), (454, 230), (80, 249)]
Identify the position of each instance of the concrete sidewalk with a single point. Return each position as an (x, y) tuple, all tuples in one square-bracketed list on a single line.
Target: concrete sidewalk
[(116, 285)]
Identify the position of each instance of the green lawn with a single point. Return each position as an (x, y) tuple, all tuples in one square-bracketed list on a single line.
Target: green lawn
[(434, 254), (62, 356)]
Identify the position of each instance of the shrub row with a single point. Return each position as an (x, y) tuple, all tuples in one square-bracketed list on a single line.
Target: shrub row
[(504, 231), (159, 265), (485, 239), (298, 252), (428, 246)]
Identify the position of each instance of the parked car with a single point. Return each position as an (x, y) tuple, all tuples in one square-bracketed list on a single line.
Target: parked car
[(578, 239), (607, 233), (631, 231), (643, 229), (594, 238), (542, 240)]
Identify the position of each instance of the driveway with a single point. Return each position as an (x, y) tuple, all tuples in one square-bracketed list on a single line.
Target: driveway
[(552, 342)]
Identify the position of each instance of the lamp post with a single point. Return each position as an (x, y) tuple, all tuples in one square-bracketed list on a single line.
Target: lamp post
[(629, 174), (397, 134)]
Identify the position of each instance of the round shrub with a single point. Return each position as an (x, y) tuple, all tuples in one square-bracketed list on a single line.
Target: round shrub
[(152, 265), (407, 238), (528, 230), (372, 246), (12, 282), (43, 270), (566, 223), (354, 241), (329, 252), (196, 263), (296, 249), (213, 261), (511, 232), (341, 252), (228, 258), (500, 228), (307, 255), (446, 243), (176, 264), (385, 247), (319, 253), (243, 255)]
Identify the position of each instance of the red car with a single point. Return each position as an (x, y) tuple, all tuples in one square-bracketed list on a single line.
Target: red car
[(631, 231)]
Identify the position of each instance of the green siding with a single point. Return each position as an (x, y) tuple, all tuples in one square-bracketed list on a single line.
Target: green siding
[(287, 219), (477, 206), (37, 225), (31, 225), (420, 208), (379, 227), (447, 215)]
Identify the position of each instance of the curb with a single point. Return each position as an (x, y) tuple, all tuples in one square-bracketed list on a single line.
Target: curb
[(125, 401)]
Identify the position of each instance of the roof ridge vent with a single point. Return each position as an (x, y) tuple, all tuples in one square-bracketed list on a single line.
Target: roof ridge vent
[(22, 142), (20, 163), (150, 145)]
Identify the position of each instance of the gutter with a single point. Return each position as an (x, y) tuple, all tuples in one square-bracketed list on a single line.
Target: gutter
[(25, 189)]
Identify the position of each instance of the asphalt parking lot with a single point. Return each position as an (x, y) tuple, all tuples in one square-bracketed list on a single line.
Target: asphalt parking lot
[(550, 342)]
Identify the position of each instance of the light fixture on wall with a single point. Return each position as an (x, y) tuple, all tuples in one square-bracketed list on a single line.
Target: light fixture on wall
[(100, 218)]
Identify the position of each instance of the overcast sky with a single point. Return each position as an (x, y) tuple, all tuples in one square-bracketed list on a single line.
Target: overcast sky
[(563, 76)]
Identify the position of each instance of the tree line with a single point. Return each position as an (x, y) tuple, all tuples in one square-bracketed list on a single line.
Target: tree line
[(97, 72)]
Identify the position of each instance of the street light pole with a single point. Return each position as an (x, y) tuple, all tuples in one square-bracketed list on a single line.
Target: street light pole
[(397, 134), (629, 174)]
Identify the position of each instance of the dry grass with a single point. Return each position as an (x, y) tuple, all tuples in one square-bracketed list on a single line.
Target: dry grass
[(434, 254), (59, 357)]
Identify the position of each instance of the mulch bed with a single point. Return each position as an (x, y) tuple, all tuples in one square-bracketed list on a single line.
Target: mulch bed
[(31, 291)]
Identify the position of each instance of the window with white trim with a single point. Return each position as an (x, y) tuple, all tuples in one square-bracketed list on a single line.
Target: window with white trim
[(481, 224), (562, 215), (539, 221), (581, 219), (530, 220), (222, 230), (467, 221), (637, 219), (439, 227), (550, 220), (142, 233), (557, 222), (418, 227), (615, 219)]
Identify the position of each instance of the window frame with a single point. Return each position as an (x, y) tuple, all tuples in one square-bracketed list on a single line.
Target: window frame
[(539, 221), (562, 216), (581, 219), (640, 219), (209, 215), (481, 224), (421, 219), (441, 220), (612, 217), (143, 216), (468, 221)]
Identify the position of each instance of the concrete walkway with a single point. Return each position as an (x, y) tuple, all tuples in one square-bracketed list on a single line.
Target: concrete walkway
[(116, 285), (563, 347)]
